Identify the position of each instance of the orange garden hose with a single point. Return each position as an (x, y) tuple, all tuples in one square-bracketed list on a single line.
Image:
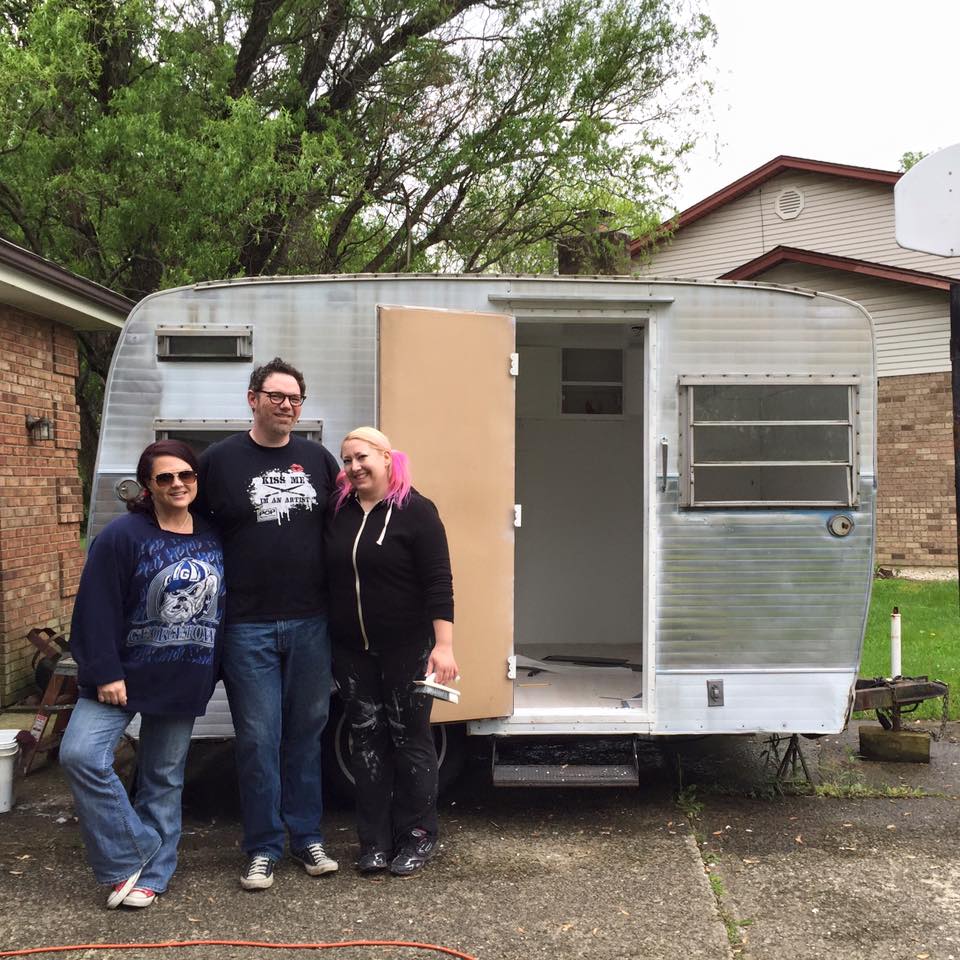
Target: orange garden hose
[(449, 951)]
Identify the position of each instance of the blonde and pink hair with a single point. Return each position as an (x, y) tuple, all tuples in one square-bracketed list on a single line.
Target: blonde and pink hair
[(398, 472)]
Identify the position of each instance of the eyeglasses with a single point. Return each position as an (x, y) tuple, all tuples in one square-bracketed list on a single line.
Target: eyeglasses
[(277, 398), (184, 476)]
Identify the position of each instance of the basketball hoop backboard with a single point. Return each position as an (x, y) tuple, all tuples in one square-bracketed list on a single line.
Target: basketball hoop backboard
[(926, 203)]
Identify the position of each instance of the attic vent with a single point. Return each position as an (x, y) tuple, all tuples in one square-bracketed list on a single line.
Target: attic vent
[(789, 203)]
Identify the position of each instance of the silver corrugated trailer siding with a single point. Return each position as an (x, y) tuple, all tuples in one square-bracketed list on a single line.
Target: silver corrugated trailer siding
[(764, 599)]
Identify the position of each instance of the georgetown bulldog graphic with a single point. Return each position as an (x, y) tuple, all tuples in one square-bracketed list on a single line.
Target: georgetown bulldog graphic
[(181, 606)]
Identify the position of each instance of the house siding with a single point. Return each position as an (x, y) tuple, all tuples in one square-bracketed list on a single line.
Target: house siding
[(841, 216), (41, 507)]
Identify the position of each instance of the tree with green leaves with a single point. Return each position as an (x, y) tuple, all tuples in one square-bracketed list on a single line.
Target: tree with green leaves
[(910, 159), (151, 143)]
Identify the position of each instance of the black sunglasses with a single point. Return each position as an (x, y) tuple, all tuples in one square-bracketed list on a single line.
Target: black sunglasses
[(184, 476)]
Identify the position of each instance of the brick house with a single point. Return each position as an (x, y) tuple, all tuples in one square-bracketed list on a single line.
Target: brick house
[(830, 227), (41, 510)]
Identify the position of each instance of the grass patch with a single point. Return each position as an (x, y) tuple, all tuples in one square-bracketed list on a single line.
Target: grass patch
[(864, 791), (930, 636)]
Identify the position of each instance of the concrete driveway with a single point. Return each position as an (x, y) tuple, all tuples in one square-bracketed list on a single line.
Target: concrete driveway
[(706, 860)]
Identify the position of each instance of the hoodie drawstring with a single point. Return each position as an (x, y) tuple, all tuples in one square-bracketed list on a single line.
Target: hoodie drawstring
[(386, 523)]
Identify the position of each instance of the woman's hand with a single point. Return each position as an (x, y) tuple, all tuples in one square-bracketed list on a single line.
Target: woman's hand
[(442, 662), (114, 693)]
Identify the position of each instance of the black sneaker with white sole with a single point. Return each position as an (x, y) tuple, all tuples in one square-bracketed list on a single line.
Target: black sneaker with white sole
[(414, 852), (258, 874), (315, 860), (373, 860)]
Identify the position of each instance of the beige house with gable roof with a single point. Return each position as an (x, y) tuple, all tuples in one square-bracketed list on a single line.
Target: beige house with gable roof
[(830, 227)]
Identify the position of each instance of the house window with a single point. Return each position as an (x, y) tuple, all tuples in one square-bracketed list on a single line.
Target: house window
[(200, 434), (591, 382), (233, 343), (763, 442)]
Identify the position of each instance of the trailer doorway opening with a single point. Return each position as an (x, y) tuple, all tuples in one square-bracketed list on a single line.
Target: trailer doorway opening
[(579, 599)]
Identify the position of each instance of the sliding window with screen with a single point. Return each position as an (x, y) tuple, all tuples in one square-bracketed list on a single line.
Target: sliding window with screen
[(768, 441)]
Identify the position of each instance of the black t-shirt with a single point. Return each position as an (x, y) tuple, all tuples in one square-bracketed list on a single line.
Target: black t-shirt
[(268, 505)]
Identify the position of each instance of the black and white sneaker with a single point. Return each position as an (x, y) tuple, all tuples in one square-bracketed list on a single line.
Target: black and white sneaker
[(315, 860), (416, 850), (373, 860), (258, 874)]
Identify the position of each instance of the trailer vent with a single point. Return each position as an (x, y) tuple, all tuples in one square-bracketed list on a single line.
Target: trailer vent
[(205, 342), (789, 203), (200, 434)]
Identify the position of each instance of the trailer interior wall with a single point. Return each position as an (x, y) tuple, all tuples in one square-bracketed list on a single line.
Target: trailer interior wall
[(579, 551)]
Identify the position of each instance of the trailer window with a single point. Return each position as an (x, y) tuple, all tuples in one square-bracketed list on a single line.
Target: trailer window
[(206, 342), (200, 434), (591, 382), (781, 443)]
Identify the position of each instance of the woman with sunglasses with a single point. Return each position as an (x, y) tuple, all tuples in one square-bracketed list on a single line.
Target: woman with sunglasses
[(146, 638)]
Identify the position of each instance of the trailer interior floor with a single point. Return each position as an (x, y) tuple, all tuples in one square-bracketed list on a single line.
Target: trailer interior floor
[(589, 676)]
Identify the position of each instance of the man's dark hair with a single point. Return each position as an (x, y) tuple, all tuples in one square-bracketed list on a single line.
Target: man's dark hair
[(276, 365)]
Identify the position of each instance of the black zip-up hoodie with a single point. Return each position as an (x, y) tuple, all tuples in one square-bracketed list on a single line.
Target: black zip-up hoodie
[(388, 572)]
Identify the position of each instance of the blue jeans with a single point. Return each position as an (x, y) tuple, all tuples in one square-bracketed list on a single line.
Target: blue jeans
[(278, 682), (121, 837)]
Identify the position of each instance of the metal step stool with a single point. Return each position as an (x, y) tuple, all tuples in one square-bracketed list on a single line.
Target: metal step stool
[(561, 772)]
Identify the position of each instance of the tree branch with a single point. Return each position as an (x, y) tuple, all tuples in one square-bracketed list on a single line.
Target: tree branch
[(252, 45)]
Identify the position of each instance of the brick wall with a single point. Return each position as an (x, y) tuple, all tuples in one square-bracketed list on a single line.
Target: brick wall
[(41, 506), (916, 515)]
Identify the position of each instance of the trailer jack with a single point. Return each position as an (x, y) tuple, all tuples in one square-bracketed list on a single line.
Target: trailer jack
[(890, 700), (790, 764)]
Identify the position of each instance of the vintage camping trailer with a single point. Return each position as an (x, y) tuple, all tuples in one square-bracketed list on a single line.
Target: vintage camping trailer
[(659, 495)]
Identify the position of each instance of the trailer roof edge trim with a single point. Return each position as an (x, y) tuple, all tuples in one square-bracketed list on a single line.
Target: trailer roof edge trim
[(482, 277)]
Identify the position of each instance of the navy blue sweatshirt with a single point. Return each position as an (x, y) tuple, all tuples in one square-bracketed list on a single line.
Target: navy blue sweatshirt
[(389, 572), (148, 612)]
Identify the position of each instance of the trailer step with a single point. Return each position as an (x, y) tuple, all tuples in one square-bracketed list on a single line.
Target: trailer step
[(590, 762), (565, 775)]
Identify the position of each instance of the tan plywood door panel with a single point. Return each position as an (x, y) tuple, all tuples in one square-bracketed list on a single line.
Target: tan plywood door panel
[(447, 399)]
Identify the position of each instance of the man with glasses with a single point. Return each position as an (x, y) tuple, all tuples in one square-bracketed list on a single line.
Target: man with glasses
[(266, 491)]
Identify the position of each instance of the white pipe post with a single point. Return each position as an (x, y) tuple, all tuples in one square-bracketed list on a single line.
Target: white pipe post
[(896, 668)]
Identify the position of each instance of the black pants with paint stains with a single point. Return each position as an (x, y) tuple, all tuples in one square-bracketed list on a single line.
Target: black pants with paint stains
[(394, 761)]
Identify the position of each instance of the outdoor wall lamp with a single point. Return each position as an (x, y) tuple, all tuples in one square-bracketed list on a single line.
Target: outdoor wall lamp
[(39, 428)]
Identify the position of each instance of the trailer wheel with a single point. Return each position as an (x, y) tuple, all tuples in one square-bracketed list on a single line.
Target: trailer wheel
[(449, 738)]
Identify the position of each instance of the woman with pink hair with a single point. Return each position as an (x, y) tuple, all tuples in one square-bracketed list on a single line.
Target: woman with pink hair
[(391, 620)]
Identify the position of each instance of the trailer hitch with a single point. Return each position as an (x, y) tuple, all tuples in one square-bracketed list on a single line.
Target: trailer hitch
[(891, 699)]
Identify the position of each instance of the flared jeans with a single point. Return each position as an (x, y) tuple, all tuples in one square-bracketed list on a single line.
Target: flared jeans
[(121, 836)]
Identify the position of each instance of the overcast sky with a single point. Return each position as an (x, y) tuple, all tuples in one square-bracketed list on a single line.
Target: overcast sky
[(847, 81)]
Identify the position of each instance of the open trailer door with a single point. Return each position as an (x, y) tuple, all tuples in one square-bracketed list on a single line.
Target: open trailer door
[(447, 399)]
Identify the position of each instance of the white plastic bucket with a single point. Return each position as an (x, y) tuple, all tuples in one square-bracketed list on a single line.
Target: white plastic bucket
[(9, 748)]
